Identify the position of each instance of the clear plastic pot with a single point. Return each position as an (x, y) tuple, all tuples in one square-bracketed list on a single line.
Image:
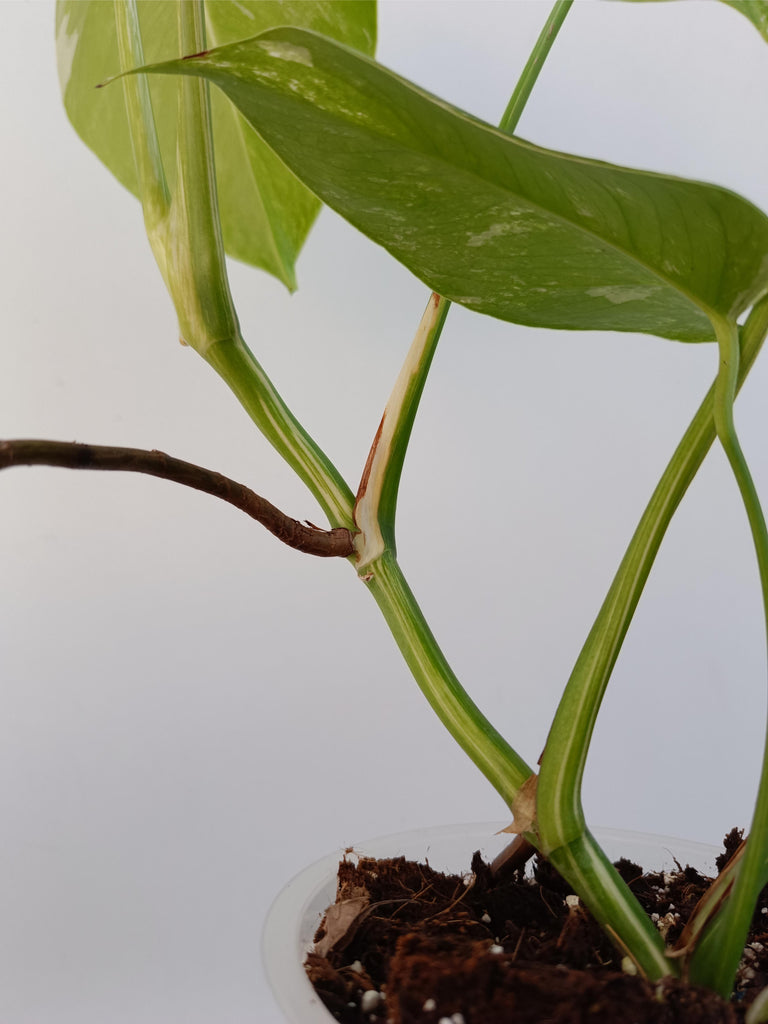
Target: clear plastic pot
[(297, 911)]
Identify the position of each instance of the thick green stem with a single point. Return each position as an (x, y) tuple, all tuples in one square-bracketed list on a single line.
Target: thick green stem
[(716, 959), (560, 816), (375, 511), (183, 229), (196, 266), (376, 502), (585, 867), (501, 765), (185, 234), (235, 364)]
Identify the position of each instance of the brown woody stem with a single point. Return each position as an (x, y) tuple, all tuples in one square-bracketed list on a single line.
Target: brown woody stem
[(71, 455)]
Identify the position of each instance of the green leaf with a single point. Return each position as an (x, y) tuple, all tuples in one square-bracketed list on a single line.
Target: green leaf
[(266, 213), (497, 224), (755, 10)]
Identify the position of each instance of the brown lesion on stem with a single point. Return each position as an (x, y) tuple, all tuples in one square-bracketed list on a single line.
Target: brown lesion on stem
[(335, 543), (369, 462)]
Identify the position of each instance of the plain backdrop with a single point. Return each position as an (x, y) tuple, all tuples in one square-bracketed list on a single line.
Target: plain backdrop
[(192, 712)]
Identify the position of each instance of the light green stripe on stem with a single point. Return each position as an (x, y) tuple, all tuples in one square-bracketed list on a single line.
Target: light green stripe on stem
[(185, 234), (376, 505), (153, 188), (375, 513), (501, 765), (236, 365), (221, 344), (196, 266), (561, 821), (716, 959), (585, 867)]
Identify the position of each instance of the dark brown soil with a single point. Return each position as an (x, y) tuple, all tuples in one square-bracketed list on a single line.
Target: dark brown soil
[(409, 945)]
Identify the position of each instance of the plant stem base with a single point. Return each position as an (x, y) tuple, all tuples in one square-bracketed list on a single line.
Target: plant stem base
[(414, 946)]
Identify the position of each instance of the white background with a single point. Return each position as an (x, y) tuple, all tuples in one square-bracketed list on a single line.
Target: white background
[(192, 712)]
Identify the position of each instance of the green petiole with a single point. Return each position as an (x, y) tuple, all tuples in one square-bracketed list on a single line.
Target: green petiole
[(499, 763), (375, 513), (376, 504), (716, 958), (185, 235), (560, 817)]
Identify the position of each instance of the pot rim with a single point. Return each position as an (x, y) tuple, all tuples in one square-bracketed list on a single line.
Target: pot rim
[(297, 910)]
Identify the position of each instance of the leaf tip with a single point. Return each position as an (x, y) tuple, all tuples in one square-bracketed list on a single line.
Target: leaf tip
[(110, 80)]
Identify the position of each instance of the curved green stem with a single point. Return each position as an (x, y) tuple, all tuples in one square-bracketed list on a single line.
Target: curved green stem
[(376, 502), (238, 367), (568, 742), (195, 265), (583, 864), (185, 234), (715, 961), (375, 511), (376, 505), (560, 816), (197, 227), (501, 765)]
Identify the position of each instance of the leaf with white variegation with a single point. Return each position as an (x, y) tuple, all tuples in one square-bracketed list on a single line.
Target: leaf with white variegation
[(495, 223), (265, 212)]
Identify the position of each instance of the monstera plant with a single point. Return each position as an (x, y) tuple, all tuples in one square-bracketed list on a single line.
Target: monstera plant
[(233, 123)]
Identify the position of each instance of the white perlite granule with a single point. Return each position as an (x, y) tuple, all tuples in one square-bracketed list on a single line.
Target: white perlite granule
[(370, 1001)]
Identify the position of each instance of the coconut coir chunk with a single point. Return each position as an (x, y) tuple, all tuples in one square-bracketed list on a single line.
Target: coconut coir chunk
[(404, 944)]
